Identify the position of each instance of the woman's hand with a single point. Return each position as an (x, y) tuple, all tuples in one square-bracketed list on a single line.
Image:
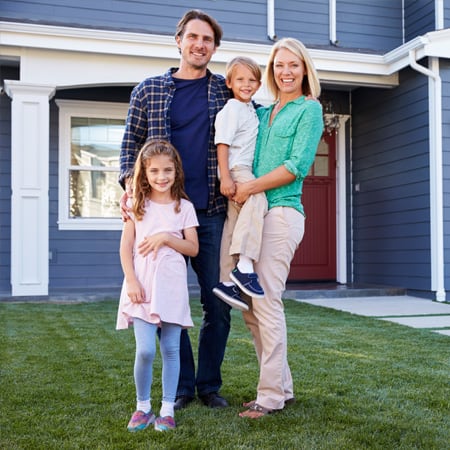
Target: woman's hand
[(152, 244), (242, 193)]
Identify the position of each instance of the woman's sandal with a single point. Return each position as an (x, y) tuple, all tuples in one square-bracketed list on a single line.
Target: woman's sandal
[(256, 411), (289, 401), (249, 404)]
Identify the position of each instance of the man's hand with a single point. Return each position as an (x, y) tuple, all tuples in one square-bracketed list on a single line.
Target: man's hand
[(123, 207)]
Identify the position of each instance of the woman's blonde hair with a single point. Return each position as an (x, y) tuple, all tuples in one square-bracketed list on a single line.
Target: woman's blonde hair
[(251, 65), (310, 84), (141, 186)]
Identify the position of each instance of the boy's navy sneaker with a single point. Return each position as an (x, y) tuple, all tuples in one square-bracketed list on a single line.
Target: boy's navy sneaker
[(247, 283), (230, 295)]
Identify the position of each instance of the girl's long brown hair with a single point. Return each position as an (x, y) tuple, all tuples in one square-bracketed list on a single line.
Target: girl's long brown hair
[(141, 186)]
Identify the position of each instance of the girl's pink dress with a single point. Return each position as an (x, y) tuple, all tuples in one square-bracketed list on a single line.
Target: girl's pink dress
[(165, 278)]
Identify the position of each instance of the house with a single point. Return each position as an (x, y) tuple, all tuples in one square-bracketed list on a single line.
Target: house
[(377, 200)]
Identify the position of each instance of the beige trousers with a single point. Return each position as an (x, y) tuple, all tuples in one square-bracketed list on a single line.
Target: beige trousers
[(282, 233), (243, 228)]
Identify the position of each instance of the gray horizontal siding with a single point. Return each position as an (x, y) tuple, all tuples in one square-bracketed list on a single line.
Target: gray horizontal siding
[(447, 14), (391, 229), (80, 258), (375, 26), (240, 20), (368, 25), (6, 73), (445, 75), (304, 20), (5, 194), (419, 18)]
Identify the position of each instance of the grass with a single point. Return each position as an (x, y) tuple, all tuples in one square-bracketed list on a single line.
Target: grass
[(66, 383)]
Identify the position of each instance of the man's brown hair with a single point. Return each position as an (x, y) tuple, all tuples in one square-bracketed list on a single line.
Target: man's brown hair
[(200, 15)]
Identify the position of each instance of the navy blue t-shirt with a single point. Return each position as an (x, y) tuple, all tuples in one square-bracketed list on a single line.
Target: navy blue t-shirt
[(190, 126)]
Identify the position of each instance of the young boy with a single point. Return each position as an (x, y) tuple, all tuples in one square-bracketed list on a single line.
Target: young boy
[(236, 131)]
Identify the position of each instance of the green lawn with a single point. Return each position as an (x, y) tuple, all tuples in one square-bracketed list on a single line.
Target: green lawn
[(66, 383)]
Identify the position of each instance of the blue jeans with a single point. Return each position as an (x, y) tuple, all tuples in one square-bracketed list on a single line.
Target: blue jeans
[(216, 315)]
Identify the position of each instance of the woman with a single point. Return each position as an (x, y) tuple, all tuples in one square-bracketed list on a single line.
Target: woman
[(288, 136)]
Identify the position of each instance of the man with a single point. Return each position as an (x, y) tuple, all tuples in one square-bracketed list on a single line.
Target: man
[(181, 106)]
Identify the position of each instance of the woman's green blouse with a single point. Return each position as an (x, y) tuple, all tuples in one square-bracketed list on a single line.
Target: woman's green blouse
[(291, 140)]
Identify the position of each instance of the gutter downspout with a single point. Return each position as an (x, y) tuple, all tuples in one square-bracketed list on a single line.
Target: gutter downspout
[(403, 22), (271, 20), (436, 181), (439, 14), (332, 19)]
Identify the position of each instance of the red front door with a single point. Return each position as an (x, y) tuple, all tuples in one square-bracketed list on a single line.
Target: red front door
[(315, 259)]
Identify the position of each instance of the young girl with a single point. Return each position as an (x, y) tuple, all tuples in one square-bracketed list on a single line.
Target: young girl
[(155, 292)]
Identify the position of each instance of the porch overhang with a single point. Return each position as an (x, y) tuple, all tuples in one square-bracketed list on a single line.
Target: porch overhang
[(56, 55)]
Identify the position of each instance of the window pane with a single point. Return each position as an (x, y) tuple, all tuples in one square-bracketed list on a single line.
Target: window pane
[(321, 166), (94, 194), (96, 142), (322, 149)]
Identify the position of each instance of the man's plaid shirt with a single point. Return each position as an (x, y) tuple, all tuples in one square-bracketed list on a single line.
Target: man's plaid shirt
[(149, 118)]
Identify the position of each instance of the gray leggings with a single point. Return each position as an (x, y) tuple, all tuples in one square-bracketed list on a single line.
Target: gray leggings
[(169, 344)]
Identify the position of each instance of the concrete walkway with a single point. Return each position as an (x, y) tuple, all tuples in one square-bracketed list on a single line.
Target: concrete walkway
[(403, 309)]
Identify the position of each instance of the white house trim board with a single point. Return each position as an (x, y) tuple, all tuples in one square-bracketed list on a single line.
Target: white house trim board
[(341, 203), (68, 109), (29, 182), (48, 52), (130, 50), (87, 40)]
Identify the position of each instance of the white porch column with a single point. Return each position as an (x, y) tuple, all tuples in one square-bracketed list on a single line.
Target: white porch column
[(29, 183)]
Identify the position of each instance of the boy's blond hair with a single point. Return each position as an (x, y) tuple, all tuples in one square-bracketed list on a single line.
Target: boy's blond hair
[(252, 65)]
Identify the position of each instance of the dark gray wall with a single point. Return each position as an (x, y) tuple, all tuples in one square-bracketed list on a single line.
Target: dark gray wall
[(304, 20), (369, 25), (5, 184), (446, 13), (419, 18), (81, 258), (240, 20), (6, 73), (374, 26), (445, 75), (391, 211)]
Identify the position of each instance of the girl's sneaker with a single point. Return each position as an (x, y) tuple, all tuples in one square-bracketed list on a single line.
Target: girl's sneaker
[(140, 420), (165, 423)]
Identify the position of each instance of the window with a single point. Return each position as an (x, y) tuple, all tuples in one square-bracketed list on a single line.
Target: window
[(320, 167), (90, 134)]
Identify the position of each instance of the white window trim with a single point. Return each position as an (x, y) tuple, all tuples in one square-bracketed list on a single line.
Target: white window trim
[(68, 109)]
